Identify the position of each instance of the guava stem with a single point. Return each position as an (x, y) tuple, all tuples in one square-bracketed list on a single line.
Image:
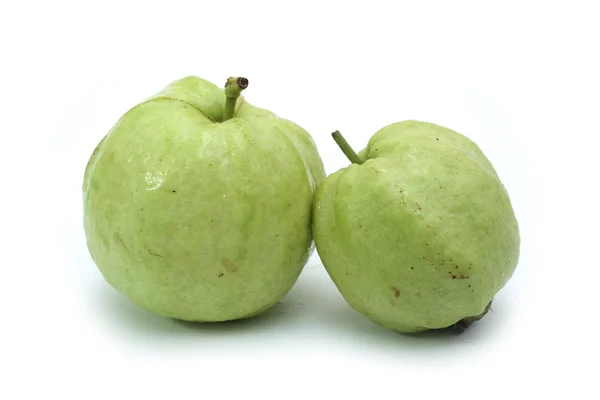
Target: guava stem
[(233, 89), (346, 149)]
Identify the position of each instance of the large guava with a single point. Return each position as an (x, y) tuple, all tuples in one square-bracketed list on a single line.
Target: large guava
[(197, 205)]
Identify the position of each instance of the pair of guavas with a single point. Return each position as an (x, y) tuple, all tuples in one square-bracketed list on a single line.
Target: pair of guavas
[(202, 207)]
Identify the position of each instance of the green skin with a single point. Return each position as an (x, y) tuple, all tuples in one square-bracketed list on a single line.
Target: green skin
[(197, 205), (419, 232)]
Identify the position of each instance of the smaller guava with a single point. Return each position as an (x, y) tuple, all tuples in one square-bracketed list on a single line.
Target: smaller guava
[(418, 232)]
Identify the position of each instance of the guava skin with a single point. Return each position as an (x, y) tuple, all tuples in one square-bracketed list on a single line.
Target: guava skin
[(197, 219), (420, 236)]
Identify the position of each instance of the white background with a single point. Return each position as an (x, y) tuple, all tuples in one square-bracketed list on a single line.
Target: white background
[(519, 78)]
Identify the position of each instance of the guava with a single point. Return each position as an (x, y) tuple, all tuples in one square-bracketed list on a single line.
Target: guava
[(418, 232), (197, 204)]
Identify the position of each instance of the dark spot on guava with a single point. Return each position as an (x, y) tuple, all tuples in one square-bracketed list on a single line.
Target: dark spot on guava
[(418, 206), (469, 285), (220, 275), (453, 276), (412, 267), (461, 276), (174, 191), (396, 292), (120, 240), (229, 265), (456, 266), (437, 139), (154, 254)]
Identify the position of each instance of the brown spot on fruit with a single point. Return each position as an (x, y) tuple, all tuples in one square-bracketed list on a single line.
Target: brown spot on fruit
[(418, 206), (220, 274), (396, 292), (412, 267), (229, 265)]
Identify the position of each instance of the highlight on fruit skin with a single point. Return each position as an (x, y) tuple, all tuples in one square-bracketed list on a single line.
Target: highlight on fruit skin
[(197, 204), (417, 232)]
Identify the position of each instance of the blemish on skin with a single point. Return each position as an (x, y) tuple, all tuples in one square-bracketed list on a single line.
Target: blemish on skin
[(174, 191), (229, 265), (412, 267), (418, 206), (396, 292), (220, 274), (154, 254), (120, 240)]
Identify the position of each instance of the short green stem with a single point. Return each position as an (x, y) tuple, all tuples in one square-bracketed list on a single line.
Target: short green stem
[(233, 89), (346, 149)]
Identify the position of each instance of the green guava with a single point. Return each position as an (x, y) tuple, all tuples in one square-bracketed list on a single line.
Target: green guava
[(418, 232), (197, 205)]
